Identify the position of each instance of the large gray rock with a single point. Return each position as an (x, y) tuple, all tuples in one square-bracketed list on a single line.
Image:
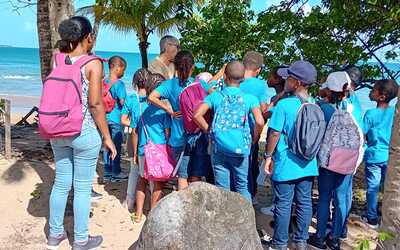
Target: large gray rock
[(200, 217)]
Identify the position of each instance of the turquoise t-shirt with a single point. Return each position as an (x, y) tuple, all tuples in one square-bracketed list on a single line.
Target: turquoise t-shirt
[(357, 110), (215, 100), (378, 130), (118, 92), (257, 88), (170, 90), (288, 166), (156, 121), (131, 107)]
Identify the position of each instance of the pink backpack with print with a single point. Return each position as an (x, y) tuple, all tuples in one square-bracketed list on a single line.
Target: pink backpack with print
[(190, 99), (60, 110)]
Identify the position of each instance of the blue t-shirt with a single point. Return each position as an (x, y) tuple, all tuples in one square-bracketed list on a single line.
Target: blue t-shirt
[(215, 100), (170, 90), (378, 129), (131, 107), (156, 121), (118, 92), (257, 88), (357, 110), (288, 166)]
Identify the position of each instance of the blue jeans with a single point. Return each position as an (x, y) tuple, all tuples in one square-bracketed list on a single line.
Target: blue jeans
[(285, 192), (76, 160), (113, 167), (227, 168), (375, 175), (334, 186)]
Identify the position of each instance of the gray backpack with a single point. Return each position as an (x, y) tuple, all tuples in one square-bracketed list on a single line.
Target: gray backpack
[(309, 131)]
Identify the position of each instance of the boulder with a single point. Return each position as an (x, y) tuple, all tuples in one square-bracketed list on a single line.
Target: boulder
[(200, 217)]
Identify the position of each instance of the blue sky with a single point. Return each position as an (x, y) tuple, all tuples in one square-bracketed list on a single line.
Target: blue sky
[(20, 30)]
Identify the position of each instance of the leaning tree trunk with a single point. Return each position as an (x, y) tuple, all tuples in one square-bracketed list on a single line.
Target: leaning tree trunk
[(143, 45), (391, 196), (50, 13)]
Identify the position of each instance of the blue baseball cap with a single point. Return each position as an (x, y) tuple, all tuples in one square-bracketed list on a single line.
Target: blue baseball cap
[(300, 70)]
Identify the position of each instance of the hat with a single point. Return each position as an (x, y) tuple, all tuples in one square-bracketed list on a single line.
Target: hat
[(336, 81), (204, 76), (354, 73), (300, 70)]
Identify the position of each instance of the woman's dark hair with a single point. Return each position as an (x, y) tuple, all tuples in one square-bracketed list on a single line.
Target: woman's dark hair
[(274, 73), (183, 62), (388, 88), (152, 82), (72, 31), (140, 77)]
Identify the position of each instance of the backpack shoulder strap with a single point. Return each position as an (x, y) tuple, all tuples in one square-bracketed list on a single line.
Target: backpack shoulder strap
[(59, 59), (85, 60)]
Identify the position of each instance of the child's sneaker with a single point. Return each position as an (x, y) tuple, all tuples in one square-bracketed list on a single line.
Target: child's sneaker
[(316, 242), (93, 242), (94, 196), (53, 242), (333, 244), (370, 223)]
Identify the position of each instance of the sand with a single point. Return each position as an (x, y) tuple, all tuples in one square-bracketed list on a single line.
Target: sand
[(26, 180)]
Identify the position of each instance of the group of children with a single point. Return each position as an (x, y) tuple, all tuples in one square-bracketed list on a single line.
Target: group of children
[(212, 125)]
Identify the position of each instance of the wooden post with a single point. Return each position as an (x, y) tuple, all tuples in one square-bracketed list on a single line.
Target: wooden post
[(7, 128)]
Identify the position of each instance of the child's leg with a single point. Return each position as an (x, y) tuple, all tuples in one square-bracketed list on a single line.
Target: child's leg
[(326, 185), (343, 184), (140, 196), (157, 193), (221, 172), (373, 174), (132, 182), (240, 170), (303, 209)]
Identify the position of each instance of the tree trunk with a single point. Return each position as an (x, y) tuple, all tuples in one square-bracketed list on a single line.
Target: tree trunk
[(50, 13), (391, 196), (143, 45)]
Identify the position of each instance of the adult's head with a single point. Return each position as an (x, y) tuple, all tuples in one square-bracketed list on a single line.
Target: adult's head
[(184, 65), (355, 75), (152, 82), (299, 75), (253, 62), (117, 65), (75, 31), (234, 73), (140, 77), (275, 80), (169, 46)]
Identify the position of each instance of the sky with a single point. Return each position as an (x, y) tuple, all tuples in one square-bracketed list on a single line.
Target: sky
[(19, 29)]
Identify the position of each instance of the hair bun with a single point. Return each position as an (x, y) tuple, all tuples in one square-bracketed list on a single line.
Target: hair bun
[(69, 30)]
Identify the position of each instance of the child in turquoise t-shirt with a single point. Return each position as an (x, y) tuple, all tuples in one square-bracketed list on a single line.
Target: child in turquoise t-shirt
[(112, 168), (378, 124), (150, 123), (230, 162), (128, 112)]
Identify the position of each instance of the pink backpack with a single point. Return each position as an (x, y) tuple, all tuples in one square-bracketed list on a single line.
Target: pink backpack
[(190, 99), (60, 110), (159, 164)]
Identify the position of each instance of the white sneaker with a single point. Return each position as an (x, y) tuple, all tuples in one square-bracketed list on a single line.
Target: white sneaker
[(268, 210)]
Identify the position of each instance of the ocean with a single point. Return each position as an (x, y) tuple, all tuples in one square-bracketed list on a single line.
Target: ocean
[(20, 73)]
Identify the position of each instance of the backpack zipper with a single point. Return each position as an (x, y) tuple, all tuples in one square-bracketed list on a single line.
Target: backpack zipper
[(58, 113), (66, 80)]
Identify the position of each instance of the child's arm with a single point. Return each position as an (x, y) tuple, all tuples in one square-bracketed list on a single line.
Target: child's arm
[(134, 138), (167, 133), (154, 98), (199, 117), (259, 124), (125, 121)]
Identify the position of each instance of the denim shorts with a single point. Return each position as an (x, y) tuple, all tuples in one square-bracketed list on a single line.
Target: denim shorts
[(141, 165), (196, 161)]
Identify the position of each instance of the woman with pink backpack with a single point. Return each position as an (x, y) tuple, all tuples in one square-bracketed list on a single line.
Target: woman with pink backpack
[(71, 113)]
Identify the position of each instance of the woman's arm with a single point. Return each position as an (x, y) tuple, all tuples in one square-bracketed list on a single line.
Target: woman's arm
[(94, 72), (199, 117)]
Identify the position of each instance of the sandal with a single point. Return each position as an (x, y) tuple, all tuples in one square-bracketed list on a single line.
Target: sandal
[(138, 220)]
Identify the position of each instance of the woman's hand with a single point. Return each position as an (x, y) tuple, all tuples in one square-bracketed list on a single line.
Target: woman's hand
[(109, 145)]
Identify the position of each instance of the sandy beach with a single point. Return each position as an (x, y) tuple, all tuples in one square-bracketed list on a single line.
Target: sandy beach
[(21, 105)]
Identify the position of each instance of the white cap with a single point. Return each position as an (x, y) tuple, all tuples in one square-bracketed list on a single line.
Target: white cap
[(336, 81)]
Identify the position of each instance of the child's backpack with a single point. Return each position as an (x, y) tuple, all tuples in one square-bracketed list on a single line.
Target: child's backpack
[(189, 100), (309, 131), (108, 100), (342, 147), (230, 127), (60, 110)]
